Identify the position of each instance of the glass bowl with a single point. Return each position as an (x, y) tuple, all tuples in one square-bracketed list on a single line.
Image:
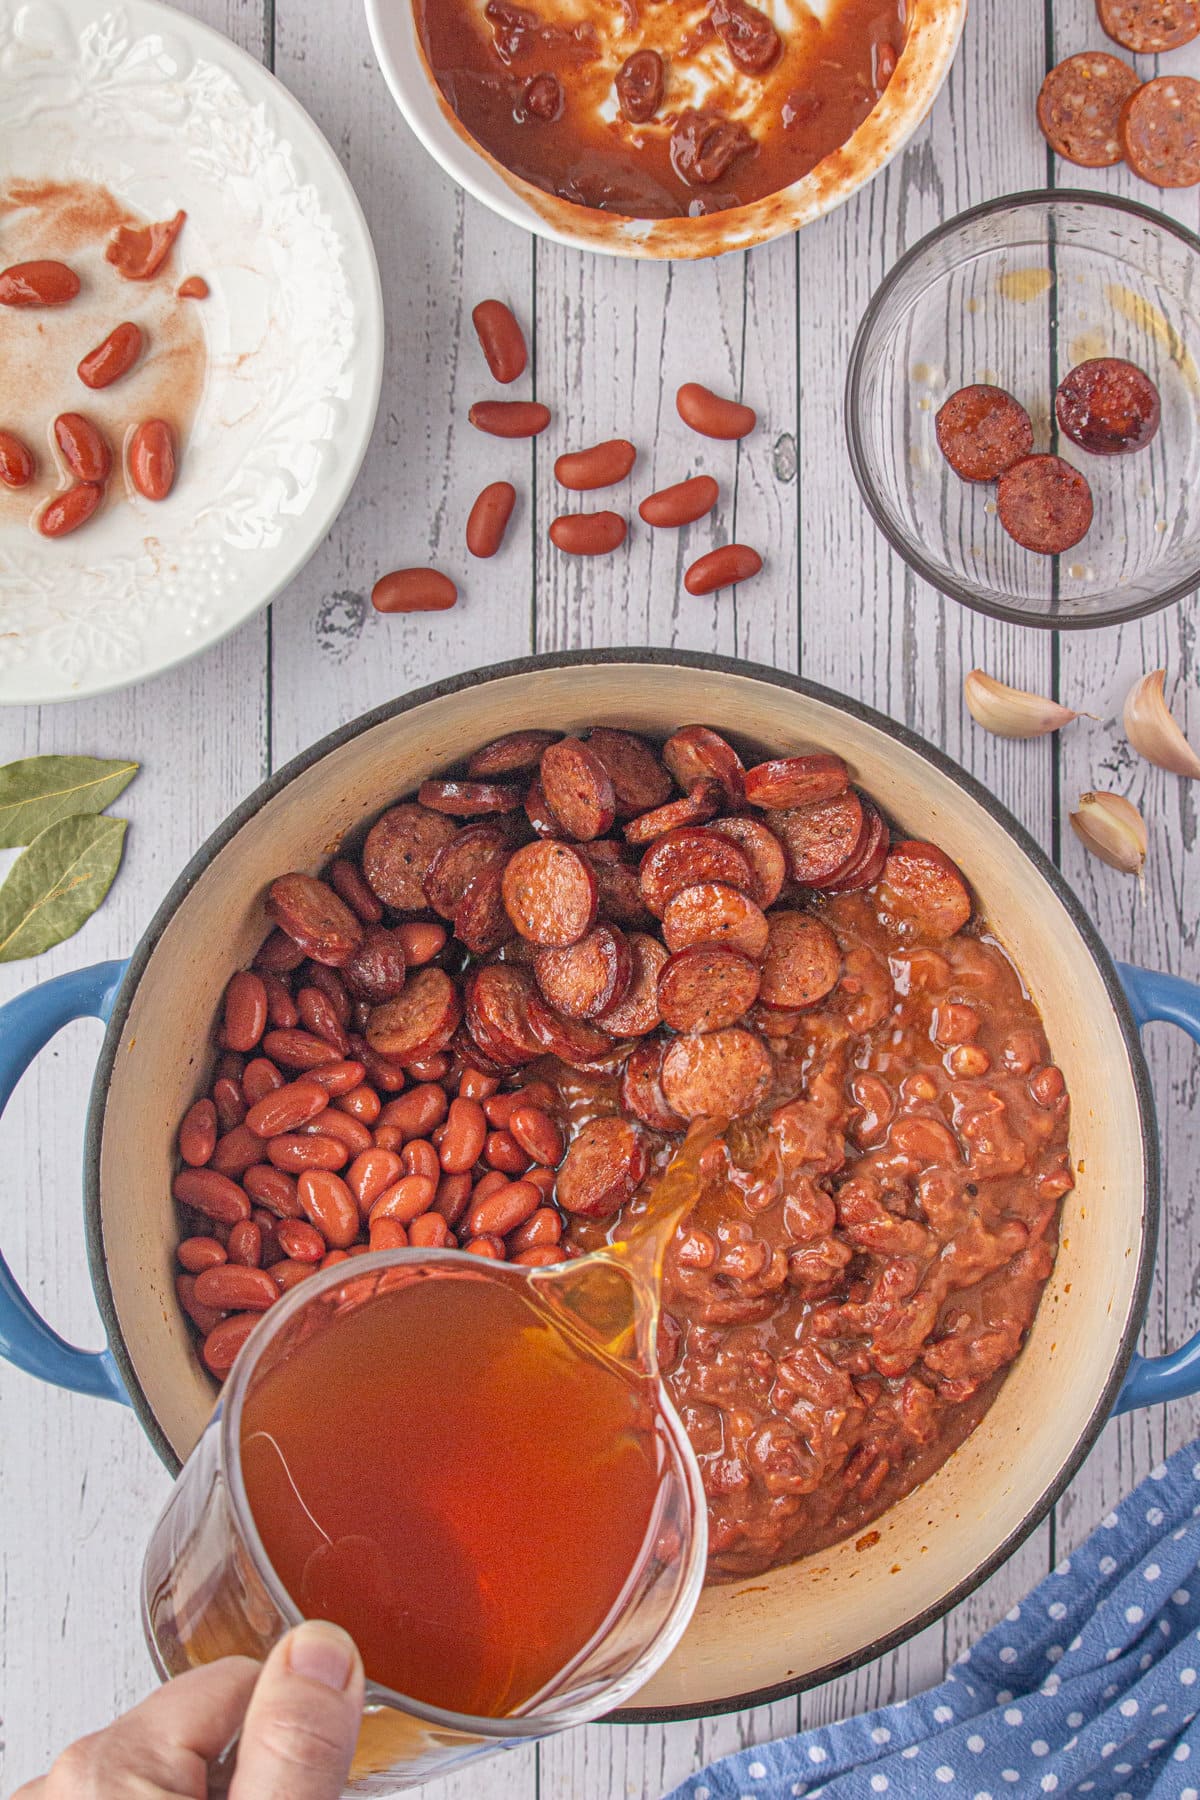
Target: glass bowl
[(1016, 292)]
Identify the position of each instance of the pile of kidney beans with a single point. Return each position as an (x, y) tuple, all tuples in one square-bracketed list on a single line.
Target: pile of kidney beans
[(390, 1070)]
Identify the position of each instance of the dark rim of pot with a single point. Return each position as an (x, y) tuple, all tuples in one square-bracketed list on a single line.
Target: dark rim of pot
[(458, 684)]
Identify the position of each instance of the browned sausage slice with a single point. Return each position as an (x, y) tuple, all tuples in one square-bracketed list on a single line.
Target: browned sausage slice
[(763, 850), (716, 1074), (618, 893), (1160, 131), (866, 865), (1149, 27), (581, 979), (468, 799), (497, 1007), (638, 778), (1079, 111), (1108, 406), (714, 913), (513, 754), (314, 917), (481, 921), (803, 961), (703, 803), (922, 887), (707, 987), (981, 431), (604, 1166), (577, 788), (537, 811), (641, 1088), (682, 858), (1044, 504), (573, 1041), (695, 753), (550, 893), (470, 852), (796, 781), (399, 849), (420, 1021), (376, 971), (822, 839), (638, 1011)]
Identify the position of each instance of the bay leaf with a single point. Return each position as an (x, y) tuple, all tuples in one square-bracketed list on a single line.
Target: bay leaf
[(38, 790), (57, 884)]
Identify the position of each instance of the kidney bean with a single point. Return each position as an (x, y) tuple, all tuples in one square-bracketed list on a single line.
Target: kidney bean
[(196, 1253), (246, 1244), (501, 340), (300, 1050), (413, 590), (222, 1344), (601, 466), (639, 85), (338, 1078), (541, 1228), (39, 283), (289, 1273), (329, 983), (510, 418), (273, 1189), (351, 1132), (420, 1158), (232, 1288), (489, 1183), (536, 1133), (543, 1179), (421, 942), (488, 519), (588, 534), (245, 1014), (362, 1103), (332, 1258), (430, 1232), (541, 1256), (501, 1107), (204, 1318), (287, 1108), (229, 1102), (430, 1068), (317, 1015), (17, 465), (298, 1153), (417, 1112), (722, 567), (300, 1240), (260, 1077), (194, 288), (502, 1210), (388, 1234), (209, 1192), (67, 512), (279, 954), (345, 878), (711, 415), (453, 1197), (198, 1133), (460, 1140), (151, 459), (502, 1151), (229, 1066), (266, 1221), (388, 1137), (112, 358), (473, 1084), (681, 504), (406, 1199), (370, 1173), (237, 1151), (330, 1206), (491, 1246), (83, 448)]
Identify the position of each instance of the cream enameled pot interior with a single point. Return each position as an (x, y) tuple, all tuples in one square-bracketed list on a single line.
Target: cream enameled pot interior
[(773, 1629)]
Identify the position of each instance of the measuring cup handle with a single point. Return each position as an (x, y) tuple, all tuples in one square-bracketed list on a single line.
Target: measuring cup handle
[(1170, 1000), (26, 1025)]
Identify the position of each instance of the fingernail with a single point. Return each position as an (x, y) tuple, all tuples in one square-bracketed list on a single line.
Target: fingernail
[(324, 1653)]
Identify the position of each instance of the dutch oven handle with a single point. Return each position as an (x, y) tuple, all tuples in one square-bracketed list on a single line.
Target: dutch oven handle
[(26, 1025), (1170, 1000)]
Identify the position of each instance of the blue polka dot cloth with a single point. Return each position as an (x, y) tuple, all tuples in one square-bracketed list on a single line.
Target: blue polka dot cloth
[(1091, 1687)]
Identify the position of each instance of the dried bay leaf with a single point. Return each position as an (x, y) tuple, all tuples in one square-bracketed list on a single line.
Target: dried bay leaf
[(38, 791), (57, 883)]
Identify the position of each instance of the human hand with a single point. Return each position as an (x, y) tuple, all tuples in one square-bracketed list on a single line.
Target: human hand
[(298, 1714)]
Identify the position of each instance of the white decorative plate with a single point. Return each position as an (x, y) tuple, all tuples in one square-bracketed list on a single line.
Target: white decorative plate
[(166, 114)]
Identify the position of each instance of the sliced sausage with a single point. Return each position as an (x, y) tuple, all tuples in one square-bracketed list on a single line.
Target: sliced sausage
[(707, 987), (577, 788), (713, 913), (550, 893), (469, 799), (763, 851), (642, 1091), (469, 853), (796, 781), (803, 961), (315, 917), (604, 1166), (1149, 27), (695, 753), (821, 839), (497, 1013), (513, 754), (539, 814), (420, 1021), (981, 431), (1108, 406), (716, 1074), (1044, 504), (1079, 110), (399, 849), (377, 969), (639, 780), (581, 979), (681, 859), (574, 1041), (638, 1012), (618, 894), (481, 921), (866, 865), (924, 888), (703, 803), (1160, 131)]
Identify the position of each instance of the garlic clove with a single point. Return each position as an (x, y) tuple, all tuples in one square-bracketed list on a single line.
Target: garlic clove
[(1010, 712), (1153, 732), (1113, 829)]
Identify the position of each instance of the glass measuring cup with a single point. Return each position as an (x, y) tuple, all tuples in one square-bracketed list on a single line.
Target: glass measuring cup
[(209, 1588)]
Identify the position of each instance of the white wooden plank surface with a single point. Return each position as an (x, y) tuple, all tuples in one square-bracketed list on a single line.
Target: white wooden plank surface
[(611, 342)]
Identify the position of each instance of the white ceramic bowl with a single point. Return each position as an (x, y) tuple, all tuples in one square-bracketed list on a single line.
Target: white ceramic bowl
[(167, 114), (934, 31)]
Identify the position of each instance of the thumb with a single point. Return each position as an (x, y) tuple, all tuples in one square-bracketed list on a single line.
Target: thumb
[(303, 1719)]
